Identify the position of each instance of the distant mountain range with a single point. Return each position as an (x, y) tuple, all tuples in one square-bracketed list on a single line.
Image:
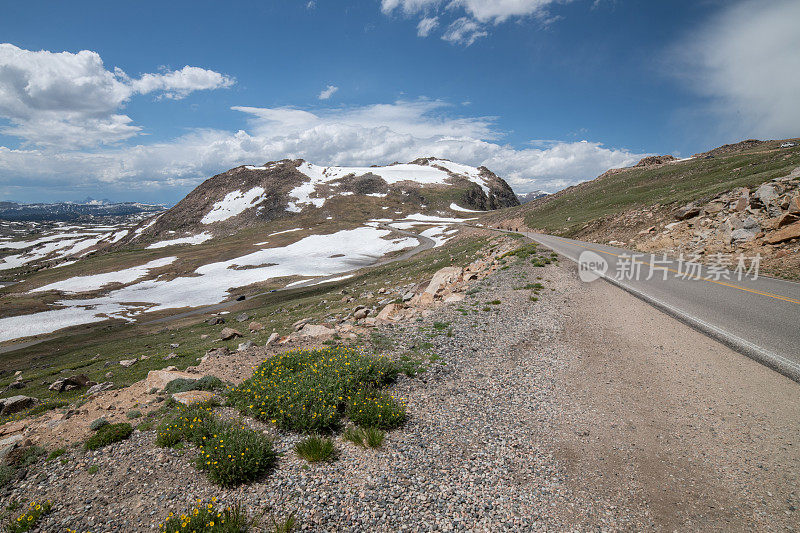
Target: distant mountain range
[(73, 212), (531, 196)]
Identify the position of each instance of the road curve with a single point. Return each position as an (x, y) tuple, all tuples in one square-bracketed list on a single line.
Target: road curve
[(758, 317)]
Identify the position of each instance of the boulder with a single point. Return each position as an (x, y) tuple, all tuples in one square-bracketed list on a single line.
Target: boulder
[(687, 211), (766, 193), (389, 312), (158, 379), (787, 233), (214, 320), (794, 205), (246, 345), (127, 363), (742, 235), (273, 338), (407, 296), (8, 444), (786, 219), (15, 404), (229, 333), (454, 298), (242, 317), (742, 202), (441, 279), (255, 326), (100, 387), (71, 383), (300, 323), (192, 396), (713, 207), (218, 352), (361, 313), (316, 330)]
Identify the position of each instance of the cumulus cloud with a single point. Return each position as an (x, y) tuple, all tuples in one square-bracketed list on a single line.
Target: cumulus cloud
[(327, 92), (472, 16), (72, 100), (364, 135), (746, 61), (427, 25)]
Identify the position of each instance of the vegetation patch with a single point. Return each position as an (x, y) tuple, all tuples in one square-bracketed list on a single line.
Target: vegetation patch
[(209, 518), (366, 437), (307, 390), (206, 383), (373, 408), (315, 448), (109, 434), (28, 520)]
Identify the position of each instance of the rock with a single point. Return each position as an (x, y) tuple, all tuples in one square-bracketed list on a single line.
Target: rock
[(169, 356), (204, 336), (361, 313), (786, 219), (742, 235), (440, 279), (222, 351), (651, 229), (454, 298), (246, 345), (751, 224), (742, 202), (71, 383), (787, 233), (794, 205), (390, 312), (407, 296), (192, 396), (159, 378), (713, 207), (214, 320), (243, 317), (256, 326), (241, 298), (766, 193), (229, 333), (15, 404), (127, 363), (174, 345), (8, 444), (17, 385), (170, 368), (369, 322), (300, 323), (144, 358), (272, 338), (315, 330), (687, 211), (94, 389)]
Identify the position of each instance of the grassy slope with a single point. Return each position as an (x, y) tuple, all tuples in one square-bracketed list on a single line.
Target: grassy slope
[(675, 184), (94, 349)]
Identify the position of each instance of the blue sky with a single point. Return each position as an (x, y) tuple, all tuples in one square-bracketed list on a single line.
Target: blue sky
[(545, 93)]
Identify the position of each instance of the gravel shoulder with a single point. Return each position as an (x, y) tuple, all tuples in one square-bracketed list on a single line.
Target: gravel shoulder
[(540, 415)]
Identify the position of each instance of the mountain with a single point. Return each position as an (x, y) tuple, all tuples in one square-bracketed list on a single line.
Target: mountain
[(72, 212), (531, 196), (247, 196)]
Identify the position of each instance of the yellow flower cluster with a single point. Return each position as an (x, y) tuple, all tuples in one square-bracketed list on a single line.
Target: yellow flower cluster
[(30, 517), (201, 518)]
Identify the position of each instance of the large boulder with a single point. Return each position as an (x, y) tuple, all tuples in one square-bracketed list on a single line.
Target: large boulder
[(390, 312), (316, 330), (767, 193), (192, 396), (687, 211), (8, 444), (229, 333), (787, 233), (71, 383), (440, 280), (15, 404)]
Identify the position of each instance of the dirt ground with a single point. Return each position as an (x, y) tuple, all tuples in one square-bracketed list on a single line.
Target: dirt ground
[(672, 425)]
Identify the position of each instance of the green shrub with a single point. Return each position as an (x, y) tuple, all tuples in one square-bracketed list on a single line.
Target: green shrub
[(98, 423), (440, 325), (314, 449), (133, 413), (207, 383), (354, 435), (192, 424), (494, 302), (233, 455), (109, 434), (56, 453), (373, 437), (24, 456), (208, 518), (373, 408), (93, 469), (28, 520), (306, 390), (46, 406), (6, 474)]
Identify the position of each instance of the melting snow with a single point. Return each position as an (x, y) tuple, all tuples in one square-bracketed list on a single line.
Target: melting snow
[(234, 203), (98, 281), (284, 231), (193, 239), (456, 207)]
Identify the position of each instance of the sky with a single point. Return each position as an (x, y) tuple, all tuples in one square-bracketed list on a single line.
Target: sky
[(143, 101)]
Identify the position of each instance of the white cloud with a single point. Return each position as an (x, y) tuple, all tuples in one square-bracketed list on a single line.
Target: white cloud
[(427, 25), (464, 31), (472, 16), (374, 134), (71, 100), (327, 92), (746, 61)]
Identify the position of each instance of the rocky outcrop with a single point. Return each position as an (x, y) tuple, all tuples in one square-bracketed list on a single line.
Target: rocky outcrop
[(15, 404), (655, 160)]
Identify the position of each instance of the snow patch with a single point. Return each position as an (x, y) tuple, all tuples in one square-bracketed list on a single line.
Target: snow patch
[(456, 207), (234, 203), (98, 281), (193, 240)]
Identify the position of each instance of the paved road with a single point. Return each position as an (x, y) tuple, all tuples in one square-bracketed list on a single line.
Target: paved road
[(758, 317)]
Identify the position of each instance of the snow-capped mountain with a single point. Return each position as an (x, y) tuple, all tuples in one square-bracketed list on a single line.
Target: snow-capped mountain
[(70, 212), (249, 195)]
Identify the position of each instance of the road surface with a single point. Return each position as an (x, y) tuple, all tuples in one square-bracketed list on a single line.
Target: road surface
[(759, 316)]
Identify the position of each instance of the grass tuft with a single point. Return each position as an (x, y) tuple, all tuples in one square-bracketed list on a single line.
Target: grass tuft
[(108, 434), (315, 449)]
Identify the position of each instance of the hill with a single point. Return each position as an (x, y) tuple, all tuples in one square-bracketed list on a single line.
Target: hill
[(688, 205)]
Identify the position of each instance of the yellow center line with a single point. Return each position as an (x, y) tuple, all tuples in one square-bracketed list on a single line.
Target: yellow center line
[(770, 295)]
